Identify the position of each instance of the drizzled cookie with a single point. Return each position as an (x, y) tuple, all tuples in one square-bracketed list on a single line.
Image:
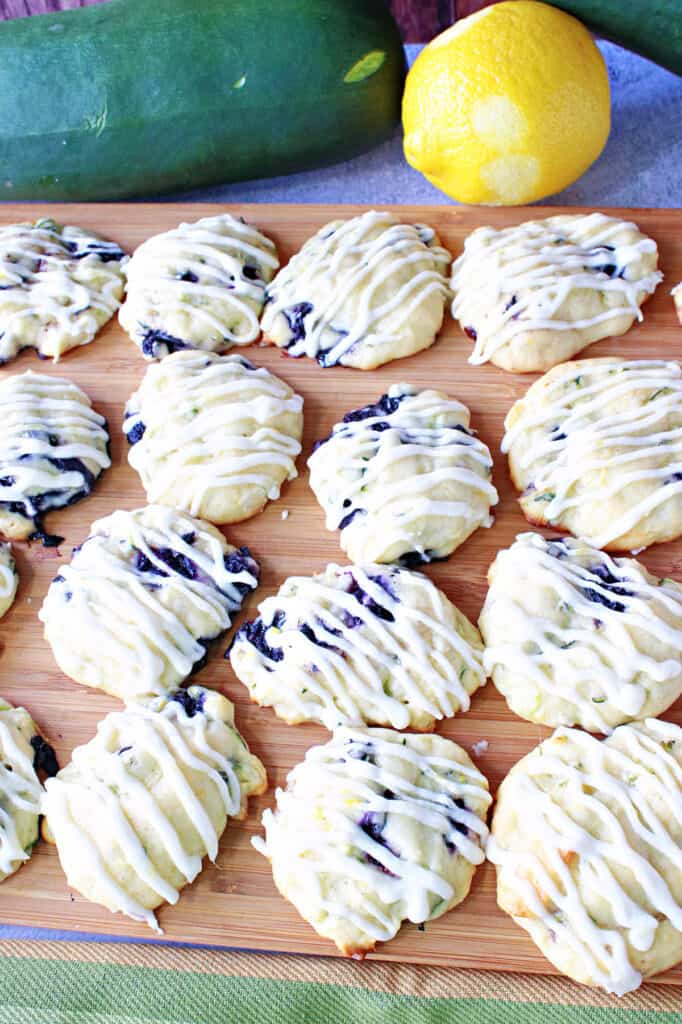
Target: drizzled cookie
[(53, 447), (141, 804), (9, 578), (405, 479), (201, 285), (595, 447), (575, 637), (58, 286), (23, 754), (375, 828), (587, 839), (360, 644), (135, 611), (213, 435), (360, 293), (534, 294), (677, 299)]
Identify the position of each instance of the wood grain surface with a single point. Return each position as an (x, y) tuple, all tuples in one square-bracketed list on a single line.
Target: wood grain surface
[(234, 903)]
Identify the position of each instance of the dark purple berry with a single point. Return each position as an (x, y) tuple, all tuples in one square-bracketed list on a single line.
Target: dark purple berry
[(44, 758), (192, 705)]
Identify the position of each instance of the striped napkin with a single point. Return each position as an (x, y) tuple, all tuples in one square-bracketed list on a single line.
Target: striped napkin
[(64, 982)]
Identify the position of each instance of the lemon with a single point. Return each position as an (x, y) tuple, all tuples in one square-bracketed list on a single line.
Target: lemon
[(509, 105)]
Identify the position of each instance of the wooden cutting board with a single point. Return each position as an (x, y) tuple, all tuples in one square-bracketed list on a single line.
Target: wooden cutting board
[(235, 903)]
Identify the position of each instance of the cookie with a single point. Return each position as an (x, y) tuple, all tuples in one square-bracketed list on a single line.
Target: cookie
[(374, 828), (404, 480), (677, 299), (58, 286), (141, 804), (360, 644), (201, 285), (213, 435), (9, 578), (361, 292), (135, 611), (534, 294), (595, 447), (587, 840), (23, 753), (575, 637), (53, 447)]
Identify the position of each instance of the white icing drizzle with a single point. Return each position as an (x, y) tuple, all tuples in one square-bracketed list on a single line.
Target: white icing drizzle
[(19, 789), (449, 456), (373, 663), (194, 407), (8, 575), (119, 607), (607, 771), (520, 277), (168, 737), (366, 257), (35, 409), (36, 268), (585, 663), (636, 446), (316, 826), (215, 251)]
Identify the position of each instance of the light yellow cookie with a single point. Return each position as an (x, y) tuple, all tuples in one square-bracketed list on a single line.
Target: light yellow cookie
[(9, 578), (136, 609), (360, 644), (361, 292), (374, 828), (23, 752), (595, 447), (201, 285), (534, 294), (213, 435), (404, 480), (575, 637), (587, 839), (677, 298), (144, 801), (53, 446), (58, 286)]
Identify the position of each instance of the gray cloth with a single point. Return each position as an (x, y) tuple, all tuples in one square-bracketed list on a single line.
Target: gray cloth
[(641, 165)]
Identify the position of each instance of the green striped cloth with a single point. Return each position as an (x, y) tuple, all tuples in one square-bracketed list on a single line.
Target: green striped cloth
[(97, 983)]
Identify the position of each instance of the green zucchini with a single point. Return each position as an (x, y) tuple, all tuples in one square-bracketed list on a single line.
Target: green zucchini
[(650, 27), (140, 97)]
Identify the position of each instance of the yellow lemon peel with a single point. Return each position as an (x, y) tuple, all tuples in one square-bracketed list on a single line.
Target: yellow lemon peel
[(509, 105)]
